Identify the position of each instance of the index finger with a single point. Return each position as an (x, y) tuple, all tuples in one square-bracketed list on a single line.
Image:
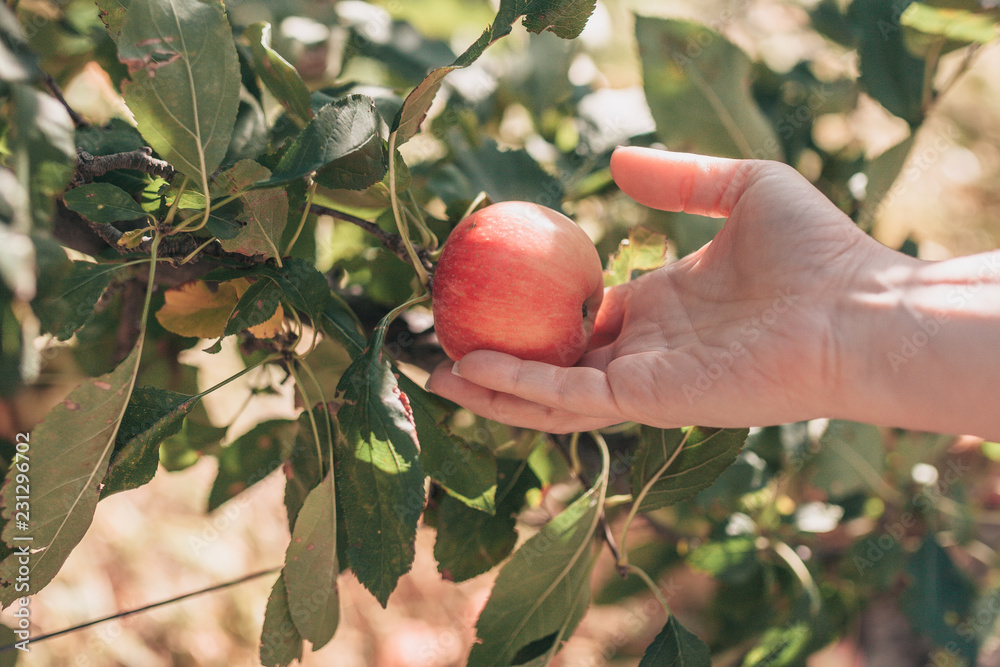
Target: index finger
[(671, 181)]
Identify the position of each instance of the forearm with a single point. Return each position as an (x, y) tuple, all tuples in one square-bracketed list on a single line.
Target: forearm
[(928, 357)]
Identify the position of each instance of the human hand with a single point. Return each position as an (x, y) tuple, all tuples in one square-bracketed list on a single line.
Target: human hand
[(742, 332)]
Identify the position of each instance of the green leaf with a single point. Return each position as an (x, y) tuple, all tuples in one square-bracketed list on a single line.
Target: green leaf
[(938, 599), (850, 460), (338, 321), (676, 646), (265, 211), (257, 305), (643, 250), (470, 541), (889, 72), (506, 175), (466, 471), (70, 305), (224, 222), (954, 24), (115, 137), (17, 62), (185, 80), (566, 18), (103, 202), (416, 105), (705, 455), (733, 557), (309, 461), (277, 73), (342, 144), (543, 591), (250, 131), (697, 84), (250, 458), (152, 416), (67, 464), (41, 139), (311, 569), (9, 637), (280, 641), (378, 467), (113, 15), (882, 173)]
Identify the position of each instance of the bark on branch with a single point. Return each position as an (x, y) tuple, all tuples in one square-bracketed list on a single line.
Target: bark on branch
[(89, 167)]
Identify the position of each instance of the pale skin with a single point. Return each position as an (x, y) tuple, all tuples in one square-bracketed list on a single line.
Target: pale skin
[(790, 313)]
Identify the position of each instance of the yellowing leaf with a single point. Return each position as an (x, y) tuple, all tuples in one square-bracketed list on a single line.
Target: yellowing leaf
[(196, 309), (269, 328)]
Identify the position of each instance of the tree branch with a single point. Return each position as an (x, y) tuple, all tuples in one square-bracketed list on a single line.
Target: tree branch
[(392, 242), (89, 166), (78, 120), (172, 246)]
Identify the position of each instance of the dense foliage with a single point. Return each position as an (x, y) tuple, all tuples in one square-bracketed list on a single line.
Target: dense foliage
[(293, 212)]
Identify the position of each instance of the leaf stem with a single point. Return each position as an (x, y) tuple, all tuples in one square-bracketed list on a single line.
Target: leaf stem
[(642, 496), (172, 211), (428, 238), (801, 571), (197, 250), (302, 221), (265, 360), (574, 454), (401, 224), (378, 336), (312, 418), (634, 569)]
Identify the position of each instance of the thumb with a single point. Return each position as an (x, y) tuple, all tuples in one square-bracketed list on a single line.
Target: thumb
[(669, 181)]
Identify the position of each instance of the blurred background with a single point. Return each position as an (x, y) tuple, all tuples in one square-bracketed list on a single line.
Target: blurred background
[(894, 114)]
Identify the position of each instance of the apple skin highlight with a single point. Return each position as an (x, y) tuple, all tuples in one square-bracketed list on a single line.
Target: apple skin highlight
[(518, 278)]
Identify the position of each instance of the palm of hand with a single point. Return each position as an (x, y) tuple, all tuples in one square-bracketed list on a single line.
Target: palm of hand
[(738, 333)]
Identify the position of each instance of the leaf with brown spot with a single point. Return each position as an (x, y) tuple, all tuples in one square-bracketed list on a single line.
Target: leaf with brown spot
[(70, 452), (196, 309), (258, 310)]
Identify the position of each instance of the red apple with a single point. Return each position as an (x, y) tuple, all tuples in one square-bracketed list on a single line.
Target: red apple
[(519, 278)]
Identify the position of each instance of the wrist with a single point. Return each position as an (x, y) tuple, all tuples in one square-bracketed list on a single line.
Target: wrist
[(869, 318), (922, 353)]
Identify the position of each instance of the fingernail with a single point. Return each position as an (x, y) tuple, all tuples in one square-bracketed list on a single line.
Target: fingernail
[(454, 369)]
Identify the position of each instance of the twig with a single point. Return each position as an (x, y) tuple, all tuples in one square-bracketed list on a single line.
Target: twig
[(123, 614), (89, 166), (393, 242), (171, 246), (609, 539), (78, 120), (970, 54)]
